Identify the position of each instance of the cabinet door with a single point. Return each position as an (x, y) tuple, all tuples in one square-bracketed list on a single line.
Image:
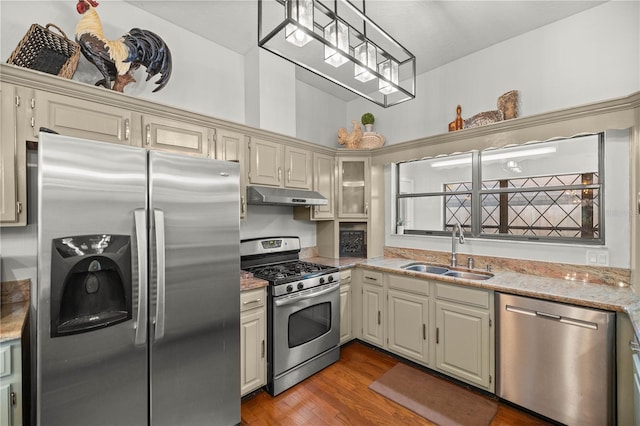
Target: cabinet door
[(345, 313), (298, 168), (170, 135), (372, 314), (83, 119), (230, 146), (462, 343), (265, 162), (353, 188), (252, 350), (10, 204), (323, 182), (408, 325), (5, 405)]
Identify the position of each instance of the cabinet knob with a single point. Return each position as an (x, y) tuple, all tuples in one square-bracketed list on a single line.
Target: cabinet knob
[(279, 174), (148, 131), (289, 175)]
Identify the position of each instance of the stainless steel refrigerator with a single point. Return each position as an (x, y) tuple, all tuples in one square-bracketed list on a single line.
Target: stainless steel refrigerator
[(138, 292)]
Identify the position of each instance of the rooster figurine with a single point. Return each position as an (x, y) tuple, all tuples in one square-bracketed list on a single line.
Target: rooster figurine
[(351, 140), (116, 59)]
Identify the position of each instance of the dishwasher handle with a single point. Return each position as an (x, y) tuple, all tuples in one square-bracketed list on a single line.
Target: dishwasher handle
[(552, 317)]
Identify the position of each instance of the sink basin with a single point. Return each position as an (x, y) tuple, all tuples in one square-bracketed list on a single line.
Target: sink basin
[(422, 267), (467, 275), (440, 270)]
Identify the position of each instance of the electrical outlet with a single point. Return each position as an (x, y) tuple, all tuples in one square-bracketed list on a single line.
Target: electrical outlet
[(598, 257)]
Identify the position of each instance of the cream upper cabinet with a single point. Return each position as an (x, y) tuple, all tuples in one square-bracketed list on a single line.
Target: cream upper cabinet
[(323, 182), (464, 334), (13, 179), (252, 340), (175, 136), (230, 146), (274, 164), (353, 188), (298, 169), (85, 119)]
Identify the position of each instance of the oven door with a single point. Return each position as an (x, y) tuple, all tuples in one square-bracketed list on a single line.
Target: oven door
[(305, 324)]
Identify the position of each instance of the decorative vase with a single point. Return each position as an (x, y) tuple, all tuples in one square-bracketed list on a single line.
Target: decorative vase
[(368, 127)]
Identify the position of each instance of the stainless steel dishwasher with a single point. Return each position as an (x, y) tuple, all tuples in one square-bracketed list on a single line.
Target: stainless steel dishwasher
[(557, 360)]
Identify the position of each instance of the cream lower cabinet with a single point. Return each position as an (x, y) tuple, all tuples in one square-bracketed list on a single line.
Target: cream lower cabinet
[(11, 383), (345, 313), (253, 328), (373, 312), (345, 306), (408, 317), (464, 334)]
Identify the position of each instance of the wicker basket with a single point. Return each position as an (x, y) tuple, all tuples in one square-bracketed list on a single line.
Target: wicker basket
[(42, 50)]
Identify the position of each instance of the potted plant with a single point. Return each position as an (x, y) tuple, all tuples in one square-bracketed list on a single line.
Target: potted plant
[(400, 227), (367, 120)]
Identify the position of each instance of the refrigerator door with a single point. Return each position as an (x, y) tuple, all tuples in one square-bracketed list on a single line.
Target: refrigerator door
[(89, 370), (195, 291)]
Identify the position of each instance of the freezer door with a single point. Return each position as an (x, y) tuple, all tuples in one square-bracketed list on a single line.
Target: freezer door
[(195, 291), (89, 370)]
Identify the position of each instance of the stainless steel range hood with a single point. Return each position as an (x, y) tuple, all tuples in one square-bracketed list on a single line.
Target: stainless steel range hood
[(284, 197)]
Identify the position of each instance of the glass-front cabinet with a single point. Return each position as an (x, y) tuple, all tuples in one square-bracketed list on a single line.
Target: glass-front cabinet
[(353, 187)]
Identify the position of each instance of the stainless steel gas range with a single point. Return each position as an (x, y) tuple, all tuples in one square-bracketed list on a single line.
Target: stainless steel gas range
[(303, 310)]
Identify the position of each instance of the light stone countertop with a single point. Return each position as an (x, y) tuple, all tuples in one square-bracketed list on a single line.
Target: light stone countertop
[(14, 308), (599, 296)]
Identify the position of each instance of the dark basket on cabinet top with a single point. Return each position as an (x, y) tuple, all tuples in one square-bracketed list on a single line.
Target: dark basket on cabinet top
[(353, 244), (43, 50)]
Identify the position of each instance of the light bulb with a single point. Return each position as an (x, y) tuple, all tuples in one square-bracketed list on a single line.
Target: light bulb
[(337, 34), (301, 11), (365, 53)]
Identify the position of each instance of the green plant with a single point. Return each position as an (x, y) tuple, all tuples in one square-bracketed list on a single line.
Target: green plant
[(367, 118)]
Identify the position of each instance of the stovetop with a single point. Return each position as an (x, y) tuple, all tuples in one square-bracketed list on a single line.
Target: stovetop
[(286, 272)]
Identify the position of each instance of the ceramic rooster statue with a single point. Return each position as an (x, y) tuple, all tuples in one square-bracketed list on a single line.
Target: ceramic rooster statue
[(350, 140), (116, 59)]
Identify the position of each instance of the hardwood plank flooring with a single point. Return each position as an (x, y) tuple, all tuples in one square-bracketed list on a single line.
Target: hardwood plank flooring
[(340, 395)]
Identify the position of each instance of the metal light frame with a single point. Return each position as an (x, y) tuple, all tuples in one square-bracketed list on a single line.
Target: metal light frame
[(388, 85)]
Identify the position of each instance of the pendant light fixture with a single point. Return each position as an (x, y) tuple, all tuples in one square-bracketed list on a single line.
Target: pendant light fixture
[(338, 41)]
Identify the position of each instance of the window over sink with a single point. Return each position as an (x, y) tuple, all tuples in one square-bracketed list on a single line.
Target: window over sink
[(543, 191)]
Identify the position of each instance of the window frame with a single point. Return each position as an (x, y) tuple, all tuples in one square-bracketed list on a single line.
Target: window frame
[(477, 194)]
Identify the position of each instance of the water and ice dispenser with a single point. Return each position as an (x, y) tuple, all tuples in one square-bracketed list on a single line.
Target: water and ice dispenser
[(90, 283)]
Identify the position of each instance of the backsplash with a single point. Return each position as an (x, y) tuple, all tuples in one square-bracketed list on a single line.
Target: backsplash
[(598, 275)]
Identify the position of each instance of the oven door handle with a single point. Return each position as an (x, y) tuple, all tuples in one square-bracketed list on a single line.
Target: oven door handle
[(307, 296)]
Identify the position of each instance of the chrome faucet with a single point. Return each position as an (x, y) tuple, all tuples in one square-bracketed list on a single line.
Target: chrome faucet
[(456, 226)]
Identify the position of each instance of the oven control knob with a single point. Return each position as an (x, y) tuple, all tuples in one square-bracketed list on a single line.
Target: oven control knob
[(321, 280), (289, 288), (300, 286), (330, 278)]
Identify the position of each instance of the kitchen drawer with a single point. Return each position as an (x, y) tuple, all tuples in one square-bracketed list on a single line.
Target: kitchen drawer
[(371, 277), (5, 361), (251, 299), (345, 276), (461, 294), (413, 285)]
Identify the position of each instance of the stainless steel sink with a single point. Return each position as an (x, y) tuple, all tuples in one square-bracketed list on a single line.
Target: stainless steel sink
[(467, 275), (440, 270), (423, 267)]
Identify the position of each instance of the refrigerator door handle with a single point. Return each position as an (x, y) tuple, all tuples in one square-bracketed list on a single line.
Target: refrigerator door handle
[(158, 216), (140, 218)]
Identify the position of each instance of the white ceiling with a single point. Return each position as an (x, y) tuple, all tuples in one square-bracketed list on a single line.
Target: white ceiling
[(436, 32)]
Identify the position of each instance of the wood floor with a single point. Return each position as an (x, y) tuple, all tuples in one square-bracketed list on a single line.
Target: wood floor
[(340, 395)]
